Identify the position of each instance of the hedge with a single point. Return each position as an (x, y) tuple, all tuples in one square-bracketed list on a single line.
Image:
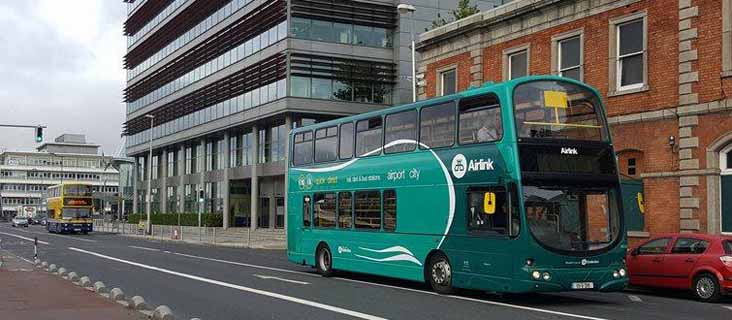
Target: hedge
[(186, 219)]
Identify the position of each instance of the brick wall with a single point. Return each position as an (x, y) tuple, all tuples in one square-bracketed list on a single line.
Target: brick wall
[(689, 95)]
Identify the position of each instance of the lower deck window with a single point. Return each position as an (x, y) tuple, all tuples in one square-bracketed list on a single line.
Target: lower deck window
[(368, 210), (325, 210)]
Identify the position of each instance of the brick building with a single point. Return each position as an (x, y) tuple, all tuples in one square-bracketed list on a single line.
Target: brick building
[(664, 69)]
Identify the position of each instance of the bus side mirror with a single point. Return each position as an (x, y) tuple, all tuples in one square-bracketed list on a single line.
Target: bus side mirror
[(489, 203)]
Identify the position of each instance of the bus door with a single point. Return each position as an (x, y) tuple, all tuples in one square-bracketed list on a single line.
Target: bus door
[(491, 220), (306, 207)]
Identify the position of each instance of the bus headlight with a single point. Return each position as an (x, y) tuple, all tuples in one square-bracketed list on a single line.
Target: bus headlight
[(536, 275), (616, 274), (622, 272), (546, 276)]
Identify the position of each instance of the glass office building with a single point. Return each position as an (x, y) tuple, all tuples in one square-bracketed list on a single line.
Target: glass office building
[(225, 80)]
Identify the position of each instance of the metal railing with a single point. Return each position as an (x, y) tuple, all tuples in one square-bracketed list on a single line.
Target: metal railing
[(235, 237)]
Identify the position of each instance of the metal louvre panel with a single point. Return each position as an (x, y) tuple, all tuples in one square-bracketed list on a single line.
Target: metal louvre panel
[(354, 12), (179, 25), (265, 72), (261, 19), (341, 68), (149, 10)]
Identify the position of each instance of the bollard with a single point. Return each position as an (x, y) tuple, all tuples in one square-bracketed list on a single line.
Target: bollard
[(137, 303), (163, 313), (99, 287), (52, 268), (62, 271), (72, 276), (85, 282), (117, 294)]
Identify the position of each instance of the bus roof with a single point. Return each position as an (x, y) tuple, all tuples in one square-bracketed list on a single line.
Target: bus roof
[(470, 92)]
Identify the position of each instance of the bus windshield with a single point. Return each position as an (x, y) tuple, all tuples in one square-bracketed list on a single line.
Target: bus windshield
[(558, 110), (570, 219), (77, 190), (70, 213)]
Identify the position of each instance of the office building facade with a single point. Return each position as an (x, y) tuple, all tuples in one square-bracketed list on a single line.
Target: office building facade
[(221, 82), (25, 175)]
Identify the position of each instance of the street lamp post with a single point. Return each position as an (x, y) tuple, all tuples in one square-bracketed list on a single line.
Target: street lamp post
[(403, 10), (149, 175)]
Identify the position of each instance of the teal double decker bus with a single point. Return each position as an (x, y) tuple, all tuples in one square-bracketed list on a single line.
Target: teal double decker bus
[(510, 187)]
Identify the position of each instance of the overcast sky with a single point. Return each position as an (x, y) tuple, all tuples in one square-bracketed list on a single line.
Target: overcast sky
[(61, 66)]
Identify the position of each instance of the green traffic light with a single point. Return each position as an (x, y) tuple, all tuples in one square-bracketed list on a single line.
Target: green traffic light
[(39, 134)]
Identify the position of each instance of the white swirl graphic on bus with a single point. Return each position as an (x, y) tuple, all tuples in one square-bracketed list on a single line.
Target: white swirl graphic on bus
[(404, 255)]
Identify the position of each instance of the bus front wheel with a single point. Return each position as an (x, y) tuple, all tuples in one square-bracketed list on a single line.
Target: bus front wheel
[(324, 261), (439, 273)]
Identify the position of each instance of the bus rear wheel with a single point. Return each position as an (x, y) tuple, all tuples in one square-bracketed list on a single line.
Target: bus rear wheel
[(324, 261), (439, 274)]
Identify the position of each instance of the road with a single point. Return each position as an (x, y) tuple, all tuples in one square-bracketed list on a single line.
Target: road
[(232, 283)]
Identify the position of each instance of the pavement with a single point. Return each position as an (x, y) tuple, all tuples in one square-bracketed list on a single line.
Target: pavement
[(237, 283), (29, 293)]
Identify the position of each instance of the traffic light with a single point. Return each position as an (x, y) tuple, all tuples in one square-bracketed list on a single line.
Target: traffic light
[(39, 134)]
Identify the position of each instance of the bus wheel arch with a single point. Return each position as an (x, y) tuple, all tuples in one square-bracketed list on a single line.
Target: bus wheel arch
[(438, 262), (324, 259)]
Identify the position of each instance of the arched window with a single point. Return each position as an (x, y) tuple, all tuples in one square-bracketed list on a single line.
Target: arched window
[(725, 164)]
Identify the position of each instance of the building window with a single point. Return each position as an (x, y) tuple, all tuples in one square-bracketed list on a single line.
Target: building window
[(518, 64), (155, 165), (278, 136), (448, 81), (265, 140), (726, 38), (220, 151), (567, 53), (234, 160), (171, 164), (247, 151), (628, 53), (209, 156), (632, 166), (189, 160)]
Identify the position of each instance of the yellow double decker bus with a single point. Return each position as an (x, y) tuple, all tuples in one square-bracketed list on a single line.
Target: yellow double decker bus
[(70, 208)]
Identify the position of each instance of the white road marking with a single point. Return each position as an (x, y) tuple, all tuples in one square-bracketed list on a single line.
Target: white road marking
[(279, 279), (145, 248), (727, 307), (58, 235), (635, 298), (395, 287), (495, 303), (246, 264), (24, 238), (314, 304)]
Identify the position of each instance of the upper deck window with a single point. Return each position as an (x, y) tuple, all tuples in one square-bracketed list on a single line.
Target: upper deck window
[(369, 136), (303, 149), (558, 110), (480, 120)]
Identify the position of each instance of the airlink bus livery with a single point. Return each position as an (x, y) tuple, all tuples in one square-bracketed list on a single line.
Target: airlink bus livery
[(510, 187), (69, 208)]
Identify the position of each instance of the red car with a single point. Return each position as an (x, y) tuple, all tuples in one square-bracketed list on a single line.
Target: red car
[(702, 263)]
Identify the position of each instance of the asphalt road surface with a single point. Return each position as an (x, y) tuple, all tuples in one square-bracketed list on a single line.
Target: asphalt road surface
[(232, 283)]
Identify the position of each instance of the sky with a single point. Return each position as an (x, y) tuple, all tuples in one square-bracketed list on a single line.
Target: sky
[(61, 66)]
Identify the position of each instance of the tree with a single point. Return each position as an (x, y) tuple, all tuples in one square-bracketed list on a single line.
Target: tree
[(463, 10)]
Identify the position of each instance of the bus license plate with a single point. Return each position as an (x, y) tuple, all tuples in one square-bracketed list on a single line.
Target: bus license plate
[(582, 285)]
